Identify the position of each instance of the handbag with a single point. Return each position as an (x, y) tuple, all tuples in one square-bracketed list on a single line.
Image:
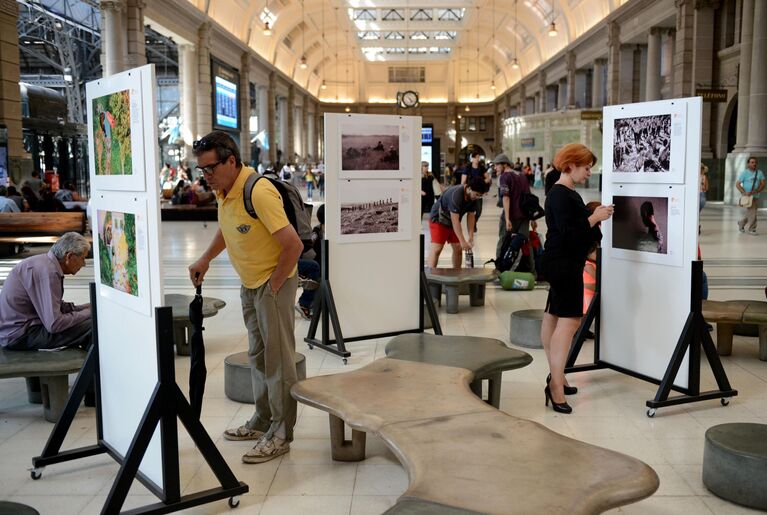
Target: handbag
[(748, 200)]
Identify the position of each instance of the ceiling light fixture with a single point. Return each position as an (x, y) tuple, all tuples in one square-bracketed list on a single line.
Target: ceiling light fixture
[(515, 63), (324, 86), (492, 85), (347, 109), (303, 64), (267, 29), (467, 109), (553, 29)]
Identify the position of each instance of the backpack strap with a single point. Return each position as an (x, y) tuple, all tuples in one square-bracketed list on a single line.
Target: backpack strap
[(247, 194)]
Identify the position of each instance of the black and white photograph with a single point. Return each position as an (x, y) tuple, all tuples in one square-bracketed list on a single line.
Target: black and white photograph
[(369, 147), (641, 224), (642, 144), (374, 210), (647, 143)]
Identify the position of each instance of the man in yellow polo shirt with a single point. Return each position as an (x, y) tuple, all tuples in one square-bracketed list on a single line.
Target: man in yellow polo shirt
[(264, 252)]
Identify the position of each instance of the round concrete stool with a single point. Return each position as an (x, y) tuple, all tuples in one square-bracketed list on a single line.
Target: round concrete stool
[(526, 328), (237, 384), (735, 463)]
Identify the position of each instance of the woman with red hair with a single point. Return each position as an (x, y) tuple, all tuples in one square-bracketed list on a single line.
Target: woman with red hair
[(571, 231)]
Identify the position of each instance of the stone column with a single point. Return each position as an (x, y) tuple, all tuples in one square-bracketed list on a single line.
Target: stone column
[(290, 147), (703, 57), (613, 63), (683, 53), (271, 115), (112, 37), (204, 91), (570, 80), (245, 106), (455, 110), (304, 129), (10, 96), (757, 103), (187, 61), (562, 94), (282, 117), (652, 85), (542, 91), (497, 130), (522, 99), (626, 74), (744, 73), (598, 84), (136, 37)]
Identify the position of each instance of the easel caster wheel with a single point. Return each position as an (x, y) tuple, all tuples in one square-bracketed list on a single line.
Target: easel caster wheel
[(311, 347), (724, 401), (234, 502), (36, 474), (346, 361), (651, 412)]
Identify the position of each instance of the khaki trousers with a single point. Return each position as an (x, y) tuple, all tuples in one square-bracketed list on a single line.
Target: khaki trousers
[(748, 222), (270, 320)]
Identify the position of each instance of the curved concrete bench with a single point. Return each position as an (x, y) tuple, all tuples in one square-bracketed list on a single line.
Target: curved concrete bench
[(735, 463), (47, 375), (731, 313), (461, 453), (452, 279), (237, 381), (486, 358)]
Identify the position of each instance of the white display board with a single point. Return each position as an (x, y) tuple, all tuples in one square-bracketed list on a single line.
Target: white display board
[(649, 245), (125, 221), (374, 264)]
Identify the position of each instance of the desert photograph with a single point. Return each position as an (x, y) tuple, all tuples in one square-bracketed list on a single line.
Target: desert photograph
[(369, 147)]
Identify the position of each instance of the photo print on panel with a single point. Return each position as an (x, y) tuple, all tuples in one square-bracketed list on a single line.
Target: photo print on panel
[(116, 133), (120, 252), (374, 210), (646, 142), (371, 150), (648, 223)]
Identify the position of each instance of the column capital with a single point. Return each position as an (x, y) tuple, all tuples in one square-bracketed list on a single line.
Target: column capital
[(137, 4), (112, 5), (707, 4), (203, 31), (602, 61), (613, 34), (542, 79), (570, 60), (656, 31)]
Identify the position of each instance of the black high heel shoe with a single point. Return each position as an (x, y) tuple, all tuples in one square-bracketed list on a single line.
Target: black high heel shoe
[(569, 390), (558, 407)]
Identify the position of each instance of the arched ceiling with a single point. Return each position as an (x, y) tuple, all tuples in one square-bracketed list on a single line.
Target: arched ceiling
[(469, 44)]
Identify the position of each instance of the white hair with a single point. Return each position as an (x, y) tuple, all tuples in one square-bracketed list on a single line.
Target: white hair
[(71, 242)]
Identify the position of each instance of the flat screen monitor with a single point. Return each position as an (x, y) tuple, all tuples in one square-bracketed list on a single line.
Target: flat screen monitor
[(427, 134), (225, 97)]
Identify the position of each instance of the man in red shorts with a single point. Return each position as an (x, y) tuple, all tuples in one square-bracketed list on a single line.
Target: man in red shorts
[(445, 219)]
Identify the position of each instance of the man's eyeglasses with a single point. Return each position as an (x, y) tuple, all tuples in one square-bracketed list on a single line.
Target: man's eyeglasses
[(208, 170)]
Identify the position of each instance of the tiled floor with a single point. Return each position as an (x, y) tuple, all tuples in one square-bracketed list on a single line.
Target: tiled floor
[(608, 410)]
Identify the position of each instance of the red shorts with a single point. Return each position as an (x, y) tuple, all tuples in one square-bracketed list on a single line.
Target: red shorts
[(442, 233)]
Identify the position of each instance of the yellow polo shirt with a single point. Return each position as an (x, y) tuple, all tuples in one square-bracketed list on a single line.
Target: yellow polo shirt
[(253, 250)]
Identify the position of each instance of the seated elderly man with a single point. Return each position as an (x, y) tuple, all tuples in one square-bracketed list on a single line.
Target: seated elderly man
[(33, 315)]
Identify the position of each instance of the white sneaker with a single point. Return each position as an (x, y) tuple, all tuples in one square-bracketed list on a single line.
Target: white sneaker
[(741, 228), (753, 232), (266, 449)]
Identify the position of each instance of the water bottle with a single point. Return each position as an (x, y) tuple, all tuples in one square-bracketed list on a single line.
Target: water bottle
[(469, 258)]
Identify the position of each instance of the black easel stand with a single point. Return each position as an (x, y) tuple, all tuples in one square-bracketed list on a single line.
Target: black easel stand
[(324, 308), (694, 336), (167, 403)]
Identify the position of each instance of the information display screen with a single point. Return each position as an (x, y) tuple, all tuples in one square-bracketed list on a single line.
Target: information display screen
[(427, 134), (225, 97)]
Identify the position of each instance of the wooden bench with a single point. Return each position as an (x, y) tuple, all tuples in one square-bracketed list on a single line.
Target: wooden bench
[(463, 454), (47, 375), (486, 358), (452, 279), (731, 313), (19, 229)]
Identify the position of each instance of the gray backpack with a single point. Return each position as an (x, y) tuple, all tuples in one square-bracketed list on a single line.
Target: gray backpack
[(298, 216)]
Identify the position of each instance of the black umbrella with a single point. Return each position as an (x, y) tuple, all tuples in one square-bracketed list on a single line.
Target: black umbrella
[(197, 370)]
